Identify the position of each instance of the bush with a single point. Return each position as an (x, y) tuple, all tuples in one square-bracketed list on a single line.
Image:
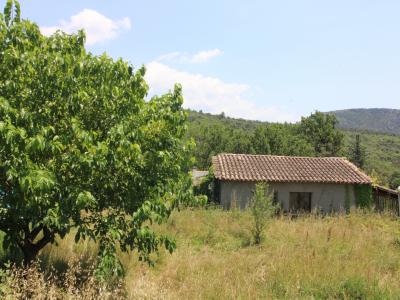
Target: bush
[(262, 209), (197, 201), (363, 194)]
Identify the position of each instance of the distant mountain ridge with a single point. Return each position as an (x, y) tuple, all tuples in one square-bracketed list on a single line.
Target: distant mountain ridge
[(383, 120)]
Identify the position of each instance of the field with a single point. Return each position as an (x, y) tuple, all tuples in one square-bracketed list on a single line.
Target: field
[(343, 257)]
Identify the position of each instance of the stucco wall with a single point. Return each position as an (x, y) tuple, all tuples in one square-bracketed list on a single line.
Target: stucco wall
[(326, 197)]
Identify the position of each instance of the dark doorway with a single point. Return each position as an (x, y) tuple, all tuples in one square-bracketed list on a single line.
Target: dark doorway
[(300, 202)]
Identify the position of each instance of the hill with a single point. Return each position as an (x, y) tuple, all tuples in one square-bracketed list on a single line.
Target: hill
[(371, 119)]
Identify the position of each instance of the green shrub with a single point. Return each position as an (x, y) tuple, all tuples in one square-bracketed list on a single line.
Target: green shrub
[(198, 201), (262, 209), (363, 195)]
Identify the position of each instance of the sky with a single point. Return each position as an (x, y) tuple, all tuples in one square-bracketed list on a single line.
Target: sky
[(260, 60)]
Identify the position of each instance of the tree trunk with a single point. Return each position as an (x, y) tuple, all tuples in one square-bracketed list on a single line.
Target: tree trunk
[(31, 249), (30, 253)]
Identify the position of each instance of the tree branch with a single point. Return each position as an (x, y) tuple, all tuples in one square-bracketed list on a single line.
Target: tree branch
[(35, 232), (47, 237)]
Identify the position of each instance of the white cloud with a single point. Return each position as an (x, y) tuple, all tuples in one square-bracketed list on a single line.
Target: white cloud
[(212, 94), (203, 56), (98, 27), (197, 58)]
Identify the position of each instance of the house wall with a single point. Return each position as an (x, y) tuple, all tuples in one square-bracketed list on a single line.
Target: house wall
[(327, 197)]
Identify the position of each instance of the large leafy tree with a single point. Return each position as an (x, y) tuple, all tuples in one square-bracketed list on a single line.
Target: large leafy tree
[(81, 148), (210, 140), (214, 135), (260, 141), (321, 131)]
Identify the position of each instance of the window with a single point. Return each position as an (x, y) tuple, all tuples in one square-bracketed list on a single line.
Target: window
[(300, 202)]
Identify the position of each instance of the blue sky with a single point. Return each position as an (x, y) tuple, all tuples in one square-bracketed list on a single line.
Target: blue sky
[(266, 60)]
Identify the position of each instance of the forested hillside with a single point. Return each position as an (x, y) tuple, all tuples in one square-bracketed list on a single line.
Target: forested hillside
[(214, 134), (217, 133), (382, 155), (371, 119)]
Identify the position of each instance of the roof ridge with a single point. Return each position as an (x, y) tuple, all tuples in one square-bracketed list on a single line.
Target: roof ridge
[(288, 156)]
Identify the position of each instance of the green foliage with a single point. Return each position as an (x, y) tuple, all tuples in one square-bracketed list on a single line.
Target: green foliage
[(215, 134), (199, 201), (394, 181), (261, 143), (357, 152), (12, 12), (207, 186), (321, 131), (109, 268), (355, 288), (383, 153), (80, 147), (262, 209), (284, 139), (363, 195)]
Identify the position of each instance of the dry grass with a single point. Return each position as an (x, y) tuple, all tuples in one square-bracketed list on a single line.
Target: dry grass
[(338, 257), (76, 282)]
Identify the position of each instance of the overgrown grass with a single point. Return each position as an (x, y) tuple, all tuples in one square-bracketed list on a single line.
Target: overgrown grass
[(342, 257)]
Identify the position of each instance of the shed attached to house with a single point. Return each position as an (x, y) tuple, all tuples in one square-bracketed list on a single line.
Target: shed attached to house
[(327, 184), (386, 199)]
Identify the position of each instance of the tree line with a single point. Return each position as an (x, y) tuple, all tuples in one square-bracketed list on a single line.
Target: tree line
[(315, 135)]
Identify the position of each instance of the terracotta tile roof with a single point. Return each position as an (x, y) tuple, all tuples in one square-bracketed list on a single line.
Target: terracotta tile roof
[(245, 167)]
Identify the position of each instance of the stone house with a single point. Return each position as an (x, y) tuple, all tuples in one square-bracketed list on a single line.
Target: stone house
[(327, 184)]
